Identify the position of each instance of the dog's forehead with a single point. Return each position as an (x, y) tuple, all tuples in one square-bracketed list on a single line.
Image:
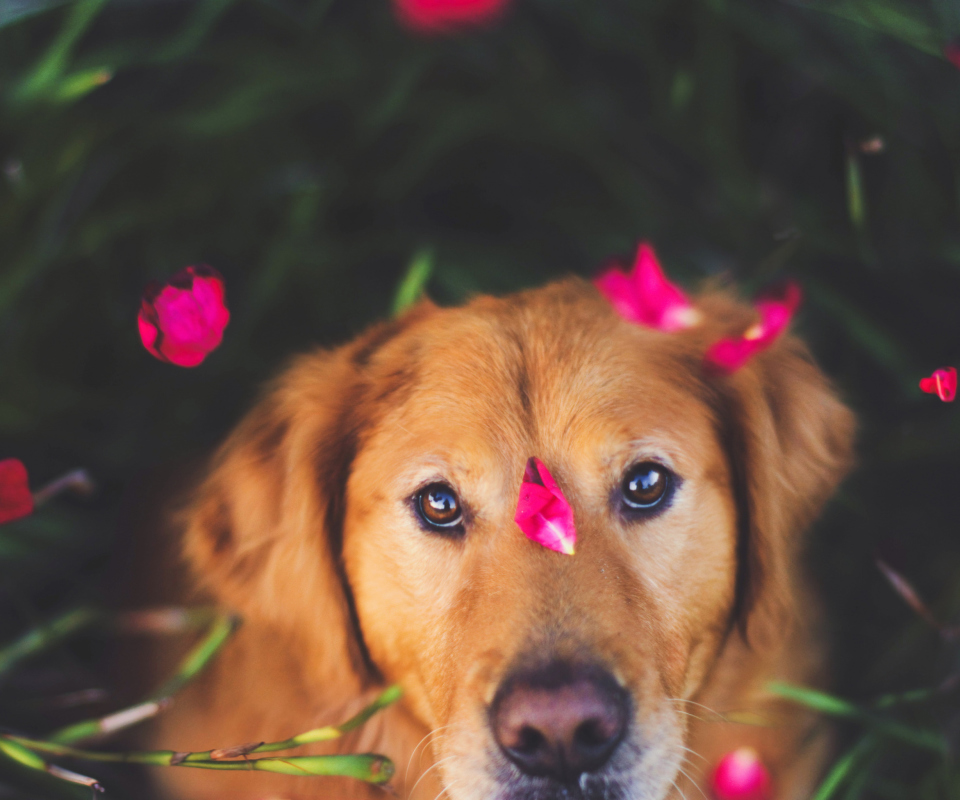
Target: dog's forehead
[(544, 365)]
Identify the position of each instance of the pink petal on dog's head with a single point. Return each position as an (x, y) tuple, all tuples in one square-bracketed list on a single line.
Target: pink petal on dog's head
[(15, 498), (942, 383), (741, 775), (183, 321), (776, 309), (619, 289), (543, 513), (645, 296), (664, 305)]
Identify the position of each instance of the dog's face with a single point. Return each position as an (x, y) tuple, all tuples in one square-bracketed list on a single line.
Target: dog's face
[(397, 464)]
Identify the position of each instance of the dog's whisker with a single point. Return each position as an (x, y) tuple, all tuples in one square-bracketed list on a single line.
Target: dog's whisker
[(712, 711), (696, 785), (435, 765), (423, 743)]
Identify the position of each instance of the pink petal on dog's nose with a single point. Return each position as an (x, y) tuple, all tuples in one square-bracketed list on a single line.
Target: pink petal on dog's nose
[(776, 310), (943, 383), (645, 296), (543, 513), (741, 775)]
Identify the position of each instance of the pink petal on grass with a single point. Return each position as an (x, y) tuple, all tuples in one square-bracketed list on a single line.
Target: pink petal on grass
[(445, 16), (776, 309), (741, 775), (645, 296), (942, 383), (15, 498), (543, 513), (182, 321)]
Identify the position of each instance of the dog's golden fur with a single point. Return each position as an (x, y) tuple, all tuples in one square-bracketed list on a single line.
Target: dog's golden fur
[(304, 526)]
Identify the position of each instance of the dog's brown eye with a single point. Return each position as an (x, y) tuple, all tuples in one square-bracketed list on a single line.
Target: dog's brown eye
[(645, 485), (439, 506)]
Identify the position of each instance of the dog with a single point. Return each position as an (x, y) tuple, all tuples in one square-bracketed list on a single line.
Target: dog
[(361, 520)]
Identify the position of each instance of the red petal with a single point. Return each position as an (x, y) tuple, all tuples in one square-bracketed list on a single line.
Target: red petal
[(741, 775), (183, 321), (543, 513), (441, 16), (15, 498), (942, 383), (646, 296)]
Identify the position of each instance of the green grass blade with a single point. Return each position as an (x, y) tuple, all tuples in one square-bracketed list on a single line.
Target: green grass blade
[(194, 662), (843, 768), (41, 638), (414, 283)]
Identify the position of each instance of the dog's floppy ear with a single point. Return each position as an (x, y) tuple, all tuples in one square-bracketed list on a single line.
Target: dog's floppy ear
[(263, 534), (790, 442)]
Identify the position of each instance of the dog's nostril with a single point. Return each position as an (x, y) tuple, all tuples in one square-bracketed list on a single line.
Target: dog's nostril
[(529, 741), (592, 733), (561, 721)]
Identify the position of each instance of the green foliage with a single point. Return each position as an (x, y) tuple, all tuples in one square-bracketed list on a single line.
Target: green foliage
[(306, 148)]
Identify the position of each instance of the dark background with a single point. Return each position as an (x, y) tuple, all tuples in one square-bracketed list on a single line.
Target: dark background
[(308, 150)]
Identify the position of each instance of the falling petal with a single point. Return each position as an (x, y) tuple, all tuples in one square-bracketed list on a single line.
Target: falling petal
[(942, 383), (543, 513)]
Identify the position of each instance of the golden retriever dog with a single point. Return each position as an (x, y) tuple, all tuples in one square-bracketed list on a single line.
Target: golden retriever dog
[(361, 520)]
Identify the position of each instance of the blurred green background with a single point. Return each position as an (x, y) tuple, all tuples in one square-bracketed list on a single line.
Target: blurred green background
[(308, 149)]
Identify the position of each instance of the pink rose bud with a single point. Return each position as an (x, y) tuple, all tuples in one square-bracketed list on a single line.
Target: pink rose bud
[(15, 498), (740, 775), (182, 321), (444, 16), (776, 309), (543, 513), (943, 383), (645, 296)]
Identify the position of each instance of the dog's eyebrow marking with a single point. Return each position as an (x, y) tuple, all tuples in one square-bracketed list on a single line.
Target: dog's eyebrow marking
[(380, 335), (334, 463), (522, 378)]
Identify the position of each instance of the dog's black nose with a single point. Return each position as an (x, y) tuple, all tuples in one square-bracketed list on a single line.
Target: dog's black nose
[(561, 720)]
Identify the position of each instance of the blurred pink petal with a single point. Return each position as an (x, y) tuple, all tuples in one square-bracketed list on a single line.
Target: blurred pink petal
[(15, 498), (444, 16), (183, 321), (943, 383), (776, 309), (952, 52), (645, 296), (543, 513), (740, 775)]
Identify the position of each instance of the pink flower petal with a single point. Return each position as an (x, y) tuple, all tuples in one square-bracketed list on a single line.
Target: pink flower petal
[(443, 16), (645, 296), (183, 321), (952, 51), (543, 513), (741, 775), (776, 309), (942, 383), (15, 498)]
